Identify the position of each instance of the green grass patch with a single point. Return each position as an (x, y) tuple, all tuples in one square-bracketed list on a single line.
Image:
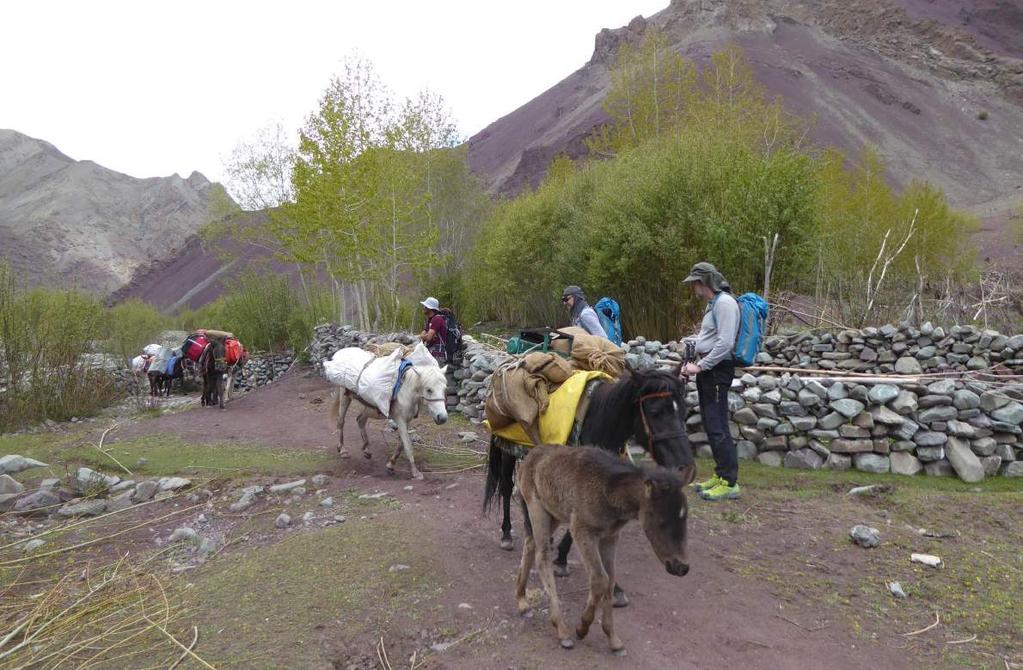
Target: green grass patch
[(167, 455), (256, 610)]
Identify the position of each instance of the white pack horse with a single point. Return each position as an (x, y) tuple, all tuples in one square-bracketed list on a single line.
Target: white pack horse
[(423, 388)]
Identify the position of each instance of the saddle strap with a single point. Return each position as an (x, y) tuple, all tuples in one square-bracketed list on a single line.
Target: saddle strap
[(580, 411)]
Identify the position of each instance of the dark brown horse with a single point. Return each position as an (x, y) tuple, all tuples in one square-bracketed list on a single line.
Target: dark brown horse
[(596, 494), (646, 406), (214, 372)]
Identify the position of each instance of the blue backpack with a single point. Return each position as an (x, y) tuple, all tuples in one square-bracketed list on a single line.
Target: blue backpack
[(610, 319), (753, 312)]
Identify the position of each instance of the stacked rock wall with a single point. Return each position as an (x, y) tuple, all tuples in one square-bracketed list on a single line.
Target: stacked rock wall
[(932, 424)]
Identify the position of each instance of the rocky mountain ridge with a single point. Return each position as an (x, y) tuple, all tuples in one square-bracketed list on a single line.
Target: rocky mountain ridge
[(68, 222)]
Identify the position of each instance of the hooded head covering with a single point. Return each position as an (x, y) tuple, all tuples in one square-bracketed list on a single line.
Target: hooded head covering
[(580, 300), (708, 275)]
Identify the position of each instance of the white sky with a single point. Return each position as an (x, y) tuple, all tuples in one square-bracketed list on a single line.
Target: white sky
[(150, 88)]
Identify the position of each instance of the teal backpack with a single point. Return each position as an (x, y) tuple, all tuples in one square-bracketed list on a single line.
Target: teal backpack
[(753, 311)]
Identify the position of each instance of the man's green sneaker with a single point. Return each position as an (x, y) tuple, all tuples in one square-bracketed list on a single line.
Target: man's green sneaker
[(709, 484), (721, 492)]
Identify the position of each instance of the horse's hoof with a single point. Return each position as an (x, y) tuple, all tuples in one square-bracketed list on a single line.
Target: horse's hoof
[(620, 599), (619, 652), (581, 632), (561, 570), (507, 544), (567, 643), (418, 475), (343, 453)]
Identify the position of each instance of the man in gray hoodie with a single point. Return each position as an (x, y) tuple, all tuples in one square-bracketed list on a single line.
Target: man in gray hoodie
[(714, 372)]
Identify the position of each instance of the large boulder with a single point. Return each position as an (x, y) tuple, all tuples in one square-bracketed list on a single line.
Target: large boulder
[(804, 459), (847, 407), (14, 463), (1011, 414), (907, 365), (905, 463), (9, 485), (40, 501), (881, 394), (872, 463), (963, 460)]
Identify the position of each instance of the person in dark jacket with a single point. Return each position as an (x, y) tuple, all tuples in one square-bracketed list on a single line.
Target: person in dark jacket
[(714, 371), (580, 313)]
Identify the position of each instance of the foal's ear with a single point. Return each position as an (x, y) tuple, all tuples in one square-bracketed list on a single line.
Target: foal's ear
[(648, 487), (687, 474)]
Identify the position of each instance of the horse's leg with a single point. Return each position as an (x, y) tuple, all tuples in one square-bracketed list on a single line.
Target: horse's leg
[(507, 484), (406, 442), (344, 401), (543, 525), (607, 557), (600, 585), (561, 562), (221, 388), (525, 565), (361, 421)]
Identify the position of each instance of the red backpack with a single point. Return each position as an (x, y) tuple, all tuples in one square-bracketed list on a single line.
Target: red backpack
[(234, 352), (194, 345)]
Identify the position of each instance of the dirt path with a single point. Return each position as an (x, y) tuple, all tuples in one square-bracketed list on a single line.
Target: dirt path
[(714, 617)]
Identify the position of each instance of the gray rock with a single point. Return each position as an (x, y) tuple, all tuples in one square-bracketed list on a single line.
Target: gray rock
[(39, 501), (865, 536), (961, 429), (119, 502), (1014, 469), (838, 462), (144, 491), (895, 589), (327, 502), (984, 446), (965, 399), (773, 396), (815, 387), (929, 454), (847, 407), (990, 401), (770, 458), (819, 448), (907, 430), (905, 402), (88, 479), (9, 485), (925, 353), (929, 438), (745, 416), (287, 488), (907, 365), (847, 446), (804, 459), (32, 545), (942, 387), (871, 462), (122, 485), (991, 465), (939, 469), (307, 517), (752, 394), (1011, 414), (883, 415), (746, 449), (83, 508), (905, 463), (853, 432), (767, 382), (173, 483), (185, 534), (808, 398), (1015, 343), (243, 503), (788, 408), (831, 421), (903, 445), (939, 413), (704, 451), (933, 401), (282, 521), (837, 391), (963, 460), (49, 483), (804, 423), (15, 463), (881, 394), (320, 480)]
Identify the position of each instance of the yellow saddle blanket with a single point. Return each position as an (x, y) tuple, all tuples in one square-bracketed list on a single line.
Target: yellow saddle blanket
[(557, 421)]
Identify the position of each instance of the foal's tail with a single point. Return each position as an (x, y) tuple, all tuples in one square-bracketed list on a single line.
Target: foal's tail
[(335, 406), (495, 467)]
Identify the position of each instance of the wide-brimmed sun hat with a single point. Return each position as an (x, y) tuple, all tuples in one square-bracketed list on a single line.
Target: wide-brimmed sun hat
[(431, 303)]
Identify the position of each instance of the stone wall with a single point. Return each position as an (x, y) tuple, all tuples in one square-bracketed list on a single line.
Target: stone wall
[(934, 425)]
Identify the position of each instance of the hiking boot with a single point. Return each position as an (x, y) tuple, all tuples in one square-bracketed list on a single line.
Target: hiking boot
[(709, 484), (721, 492)]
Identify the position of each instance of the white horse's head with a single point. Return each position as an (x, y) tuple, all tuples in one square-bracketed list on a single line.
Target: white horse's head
[(431, 387)]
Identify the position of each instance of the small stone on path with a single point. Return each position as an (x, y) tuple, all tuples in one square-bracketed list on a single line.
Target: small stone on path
[(865, 536), (282, 521), (398, 567), (895, 589)]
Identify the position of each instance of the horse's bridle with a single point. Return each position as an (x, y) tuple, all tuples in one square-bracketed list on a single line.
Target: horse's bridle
[(425, 399), (651, 437)]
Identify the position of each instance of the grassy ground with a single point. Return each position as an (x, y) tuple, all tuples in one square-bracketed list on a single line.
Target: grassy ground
[(975, 593)]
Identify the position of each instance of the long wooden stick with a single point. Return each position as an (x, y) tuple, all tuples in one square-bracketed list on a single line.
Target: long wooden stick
[(937, 620)]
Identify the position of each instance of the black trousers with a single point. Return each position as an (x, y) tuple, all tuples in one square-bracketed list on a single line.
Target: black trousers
[(712, 387)]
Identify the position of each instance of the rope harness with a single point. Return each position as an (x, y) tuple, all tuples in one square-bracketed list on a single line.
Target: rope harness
[(651, 436)]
